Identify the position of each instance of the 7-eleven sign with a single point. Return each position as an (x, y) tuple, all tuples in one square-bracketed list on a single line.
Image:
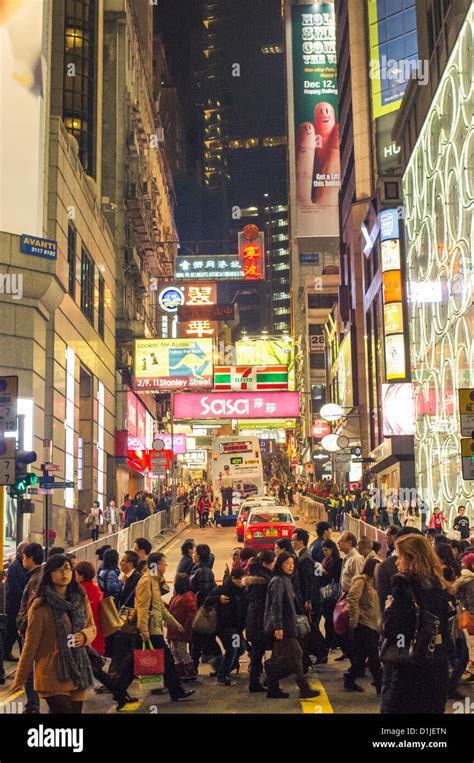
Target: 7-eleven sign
[(251, 378)]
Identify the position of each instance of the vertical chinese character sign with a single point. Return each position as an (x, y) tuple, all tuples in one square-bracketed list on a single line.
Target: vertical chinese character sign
[(252, 253), (198, 295)]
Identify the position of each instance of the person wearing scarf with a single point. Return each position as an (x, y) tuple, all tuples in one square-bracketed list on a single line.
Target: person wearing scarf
[(60, 626)]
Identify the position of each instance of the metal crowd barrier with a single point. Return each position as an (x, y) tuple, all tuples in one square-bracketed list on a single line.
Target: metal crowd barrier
[(123, 540), (313, 511)]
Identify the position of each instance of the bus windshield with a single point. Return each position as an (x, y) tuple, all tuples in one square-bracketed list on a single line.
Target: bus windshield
[(236, 464)]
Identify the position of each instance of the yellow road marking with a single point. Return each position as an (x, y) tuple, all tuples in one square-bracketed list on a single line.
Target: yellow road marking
[(172, 545), (317, 705), (5, 698)]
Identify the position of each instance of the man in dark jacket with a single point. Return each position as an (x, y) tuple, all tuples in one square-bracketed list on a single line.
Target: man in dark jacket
[(231, 605), (32, 562), (202, 583), (323, 532), (16, 581), (130, 575), (186, 562), (259, 574), (385, 571), (315, 643)]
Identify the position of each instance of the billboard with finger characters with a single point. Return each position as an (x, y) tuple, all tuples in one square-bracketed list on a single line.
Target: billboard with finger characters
[(315, 119)]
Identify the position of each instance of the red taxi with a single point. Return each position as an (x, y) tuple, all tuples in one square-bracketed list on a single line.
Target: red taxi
[(245, 510), (265, 525)]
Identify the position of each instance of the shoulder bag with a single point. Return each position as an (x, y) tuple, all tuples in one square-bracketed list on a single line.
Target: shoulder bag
[(205, 620), (109, 618), (329, 591), (341, 616), (302, 626), (422, 648)]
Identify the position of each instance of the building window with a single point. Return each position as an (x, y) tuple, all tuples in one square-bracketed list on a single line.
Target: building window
[(321, 301), (100, 325), (71, 259), (317, 360), (281, 295), (274, 140), (79, 77), (87, 285)]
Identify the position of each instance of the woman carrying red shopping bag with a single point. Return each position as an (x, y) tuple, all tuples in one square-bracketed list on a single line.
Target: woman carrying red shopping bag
[(151, 612)]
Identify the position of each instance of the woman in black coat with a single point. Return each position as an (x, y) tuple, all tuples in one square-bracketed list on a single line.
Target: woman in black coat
[(280, 622), (420, 688), (329, 588), (230, 602), (259, 575), (202, 583)]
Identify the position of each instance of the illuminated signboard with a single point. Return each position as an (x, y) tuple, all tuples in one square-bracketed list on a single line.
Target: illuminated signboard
[(389, 228), (225, 312), (393, 318), (173, 363), (268, 352), (315, 119), (221, 267), (198, 296), (250, 377), (390, 255), (252, 257), (398, 410), (395, 356), (236, 405), (170, 298), (392, 286)]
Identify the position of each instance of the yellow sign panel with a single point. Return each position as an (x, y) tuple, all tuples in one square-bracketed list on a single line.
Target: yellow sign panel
[(268, 352), (466, 400), (393, 318)]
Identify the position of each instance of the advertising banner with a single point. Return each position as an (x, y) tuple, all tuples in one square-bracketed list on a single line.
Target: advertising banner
[(315, 119), (173, 363), (179, 442), (224, 312), (236, 405), (250, 377), (23, 79)]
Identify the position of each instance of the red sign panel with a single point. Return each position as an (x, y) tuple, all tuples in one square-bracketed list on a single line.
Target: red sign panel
[(252, 257)]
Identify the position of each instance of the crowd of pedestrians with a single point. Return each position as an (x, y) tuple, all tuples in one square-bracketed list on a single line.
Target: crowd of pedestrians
[(407, 618)]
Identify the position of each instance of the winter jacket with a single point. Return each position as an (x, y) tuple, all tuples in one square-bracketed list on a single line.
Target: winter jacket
[(202, 581), (109, 582), (331, 570), (461, 524), (363, 601), (185, 565), (151, 610), (14, 587), (130, 514), (419, 688), (316, 550), (41, 649), (183, 607), (280, 607), (230, 616), (27, 598), (126, 596), (94, 596), (463, 588), (384, 573), (412, 520), (256, 585), (306, 576), (437, 522)]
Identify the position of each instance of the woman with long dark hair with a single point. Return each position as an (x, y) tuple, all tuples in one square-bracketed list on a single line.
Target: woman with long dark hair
[(60, 626), (281, 624), (108, 577), (329, 588), (421, 687)]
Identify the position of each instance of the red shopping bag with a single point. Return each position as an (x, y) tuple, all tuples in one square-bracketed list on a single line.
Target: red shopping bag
[(148, 661)]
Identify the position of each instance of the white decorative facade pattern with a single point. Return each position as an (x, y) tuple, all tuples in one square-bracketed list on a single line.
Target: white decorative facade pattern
[(439, 226)]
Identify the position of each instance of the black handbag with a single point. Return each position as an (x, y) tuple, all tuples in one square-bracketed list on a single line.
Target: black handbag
[(286, 659), (422, 649)]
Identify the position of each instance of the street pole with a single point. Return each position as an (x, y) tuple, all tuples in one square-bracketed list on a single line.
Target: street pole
[(173, 486), (19, 501), (3, 493)]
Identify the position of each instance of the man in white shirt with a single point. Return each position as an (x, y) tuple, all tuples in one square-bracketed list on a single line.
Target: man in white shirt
[(351, 566), (353, 561)]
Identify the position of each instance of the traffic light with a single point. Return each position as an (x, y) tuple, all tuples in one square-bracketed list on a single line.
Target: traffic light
[(23, 478)]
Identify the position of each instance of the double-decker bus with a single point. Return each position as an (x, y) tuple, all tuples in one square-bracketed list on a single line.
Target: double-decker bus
[(236, 463)]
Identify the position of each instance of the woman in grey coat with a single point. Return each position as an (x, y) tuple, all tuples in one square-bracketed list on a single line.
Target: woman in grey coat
[(280, 623)]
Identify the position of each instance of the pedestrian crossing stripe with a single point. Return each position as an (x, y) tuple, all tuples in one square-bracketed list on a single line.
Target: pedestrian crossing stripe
[(317, 705), (6, 697)]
